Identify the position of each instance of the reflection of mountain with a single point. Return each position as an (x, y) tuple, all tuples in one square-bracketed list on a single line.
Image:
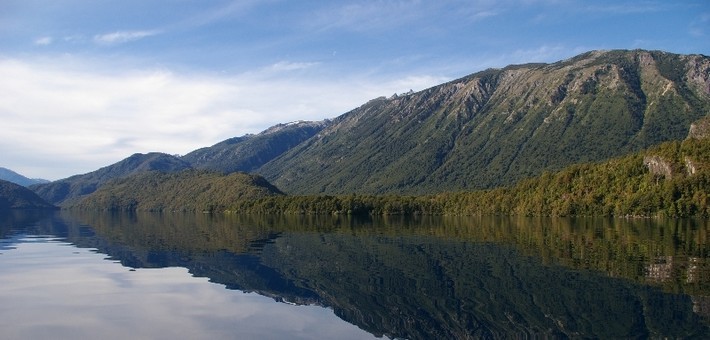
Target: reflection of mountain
[(400, 280)]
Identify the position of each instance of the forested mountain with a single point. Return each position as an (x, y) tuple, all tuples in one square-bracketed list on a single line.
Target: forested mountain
[(489, 129), (14, 177), (242, 154), (670, 179), (58, 192), (499, 126), (15, 196), (189, 190), (248, 153)]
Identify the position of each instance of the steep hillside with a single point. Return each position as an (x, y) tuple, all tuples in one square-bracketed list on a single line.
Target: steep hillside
[(15, 196), (190, 190), (671, 179), (14, 177), (498, 126), (58, 192), (248, 153)]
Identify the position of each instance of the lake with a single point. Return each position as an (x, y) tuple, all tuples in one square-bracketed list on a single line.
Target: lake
[(71, 275)]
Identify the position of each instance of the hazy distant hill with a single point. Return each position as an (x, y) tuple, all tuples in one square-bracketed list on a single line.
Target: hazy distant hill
[(58, 192), (248, 153), (501, 125), (14, 177), (15, 196)]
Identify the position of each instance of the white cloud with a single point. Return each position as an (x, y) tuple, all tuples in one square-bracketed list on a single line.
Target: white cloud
[(120, 37), (291, 66), (65, 117), (43, 41)]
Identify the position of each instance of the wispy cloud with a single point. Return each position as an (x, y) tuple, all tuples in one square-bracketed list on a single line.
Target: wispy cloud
[(120, 37), (626, 8), (73, 118), (367, 16), (43, 41), (699, 26), (284, 66), (221, 12)]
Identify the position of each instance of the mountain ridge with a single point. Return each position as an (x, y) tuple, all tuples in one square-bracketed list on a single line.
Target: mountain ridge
[(249, 152), (14, 177), (498, 126), (487, 129), (61, 191)]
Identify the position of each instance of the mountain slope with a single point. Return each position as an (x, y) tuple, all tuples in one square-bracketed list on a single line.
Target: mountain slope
[(501, 125), (14, 177), (248, 153), (190, 190), (15, 196), (58, 192)]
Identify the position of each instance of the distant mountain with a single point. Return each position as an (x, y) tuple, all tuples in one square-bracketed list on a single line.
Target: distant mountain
[(190, 190), (499, 126), (248, 153), (14, 177), (58, 192), (15, 196)]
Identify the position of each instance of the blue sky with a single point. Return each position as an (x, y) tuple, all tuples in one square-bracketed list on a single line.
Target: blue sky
[(87, 83)]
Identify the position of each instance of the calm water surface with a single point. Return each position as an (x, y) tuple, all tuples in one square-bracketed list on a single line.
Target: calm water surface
[(153, 276)]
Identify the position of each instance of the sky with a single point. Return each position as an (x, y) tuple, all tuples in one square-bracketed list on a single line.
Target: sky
[(87, 83)]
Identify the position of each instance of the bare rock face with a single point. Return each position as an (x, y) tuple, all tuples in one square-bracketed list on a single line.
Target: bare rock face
[(658, 166), (698, 73), (691, 168), (700, 129)]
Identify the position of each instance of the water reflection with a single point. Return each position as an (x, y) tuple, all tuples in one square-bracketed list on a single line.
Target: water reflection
[(432, 277)]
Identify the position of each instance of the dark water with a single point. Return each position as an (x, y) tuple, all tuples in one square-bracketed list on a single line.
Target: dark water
[(152, 276)]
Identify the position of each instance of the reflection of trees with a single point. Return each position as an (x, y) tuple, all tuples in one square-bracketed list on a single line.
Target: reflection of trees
[(636, 249), (436, 277), (619, 247)]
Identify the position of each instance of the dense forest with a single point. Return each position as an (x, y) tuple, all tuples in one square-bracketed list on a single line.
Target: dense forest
[(670, 179), (189, 190), (626, 186), (15, 196)]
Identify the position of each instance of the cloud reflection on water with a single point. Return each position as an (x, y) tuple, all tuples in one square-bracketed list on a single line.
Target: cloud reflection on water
[(51, 289)]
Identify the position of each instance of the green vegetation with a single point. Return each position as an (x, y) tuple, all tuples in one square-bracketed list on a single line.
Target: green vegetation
[(190, 190), (500, 126), (531, 139), (249, 152), (15, 196), (671, 179), (63, 192), (620, 187)]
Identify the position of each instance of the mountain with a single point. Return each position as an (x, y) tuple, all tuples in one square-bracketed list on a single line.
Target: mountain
[(248, 153), (15, 196), (59, 192), (238, 154), (671, 179), (189, 190), (499, 126), (11, 176)]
